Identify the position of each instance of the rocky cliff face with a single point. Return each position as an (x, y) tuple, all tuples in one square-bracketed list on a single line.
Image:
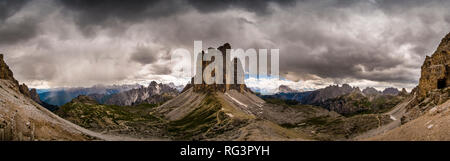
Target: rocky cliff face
[(35, 97), (236, 64), (7, 74), (433, 88), (436, 69)]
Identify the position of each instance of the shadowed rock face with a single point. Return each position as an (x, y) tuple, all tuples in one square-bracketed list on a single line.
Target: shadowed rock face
[(436, 69), (236, 64), (7, 74), (35, 97), (391, 91)]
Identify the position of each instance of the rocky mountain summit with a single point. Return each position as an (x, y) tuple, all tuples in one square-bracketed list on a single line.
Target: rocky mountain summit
[(391, 91), (224, 112), (433, 88), (234, 66), (370, 91), (7, 74), (154, 93), (287, 89), (324, 94), (35, 97)]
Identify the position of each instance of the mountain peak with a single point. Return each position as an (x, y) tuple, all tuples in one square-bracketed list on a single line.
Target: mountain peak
[(436, 69), (370, 91), (391, 91), (220, 87), (7, 74), (286, 89)]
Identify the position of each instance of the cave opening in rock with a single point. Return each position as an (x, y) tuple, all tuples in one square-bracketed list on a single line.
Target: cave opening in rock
[(441, 83)]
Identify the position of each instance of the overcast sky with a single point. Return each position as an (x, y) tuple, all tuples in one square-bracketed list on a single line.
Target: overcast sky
[(380, 43)]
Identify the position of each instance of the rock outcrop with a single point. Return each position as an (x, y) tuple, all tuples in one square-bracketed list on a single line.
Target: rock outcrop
[(35, 97), (7, 74), (235, 64), (433, 88), (436, 69)]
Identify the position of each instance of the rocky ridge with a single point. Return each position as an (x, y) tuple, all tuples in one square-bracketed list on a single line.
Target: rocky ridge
[(433, 88)]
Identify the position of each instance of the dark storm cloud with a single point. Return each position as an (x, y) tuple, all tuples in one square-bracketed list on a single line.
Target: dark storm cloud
[(327, 45), (10, 7), (13, 32), (160, 69), (113, 13), (377, 40), (144, 56), (262, 7)]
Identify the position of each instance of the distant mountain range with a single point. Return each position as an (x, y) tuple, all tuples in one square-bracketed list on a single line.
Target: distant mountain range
[(61, 96), (102, 93), (154, 93), (343, 99)]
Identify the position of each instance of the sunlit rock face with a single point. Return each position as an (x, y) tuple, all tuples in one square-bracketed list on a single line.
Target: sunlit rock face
[(433, 84), (436, 69)]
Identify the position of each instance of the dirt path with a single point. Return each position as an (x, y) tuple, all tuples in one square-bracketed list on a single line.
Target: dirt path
[(395, 115)]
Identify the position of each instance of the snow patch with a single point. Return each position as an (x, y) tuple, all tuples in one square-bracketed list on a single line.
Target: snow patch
[(392, 117), (235, 100)]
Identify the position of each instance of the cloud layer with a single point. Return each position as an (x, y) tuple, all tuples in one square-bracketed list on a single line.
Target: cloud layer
[(53, 43)]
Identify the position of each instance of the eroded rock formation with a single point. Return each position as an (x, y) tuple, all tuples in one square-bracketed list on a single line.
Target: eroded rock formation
[(436, 69), (235, 63), (7, 74), (433, 84)]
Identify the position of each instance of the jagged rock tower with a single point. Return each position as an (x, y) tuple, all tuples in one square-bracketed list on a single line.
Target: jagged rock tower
[(236, 64), (434, 83), (436, 69)]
